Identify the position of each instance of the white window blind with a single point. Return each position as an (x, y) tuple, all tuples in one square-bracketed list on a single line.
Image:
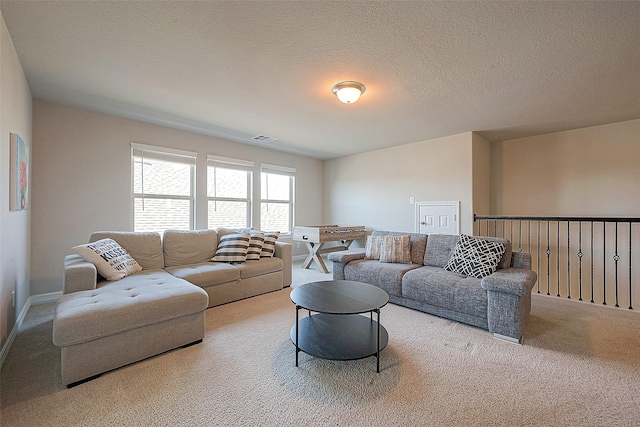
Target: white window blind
[(162, 188), (229, 194), (277, 198)]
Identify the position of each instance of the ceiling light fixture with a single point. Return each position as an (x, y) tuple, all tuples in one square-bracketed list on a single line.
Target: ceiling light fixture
[(348, 92)]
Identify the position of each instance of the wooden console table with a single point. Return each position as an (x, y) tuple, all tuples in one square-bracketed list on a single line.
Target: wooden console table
[(315, 237)]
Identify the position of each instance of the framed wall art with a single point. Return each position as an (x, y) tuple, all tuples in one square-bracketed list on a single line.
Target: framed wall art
[(19, 174)]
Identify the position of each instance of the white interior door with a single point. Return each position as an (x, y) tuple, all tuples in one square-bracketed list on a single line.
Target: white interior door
[(438, 217)]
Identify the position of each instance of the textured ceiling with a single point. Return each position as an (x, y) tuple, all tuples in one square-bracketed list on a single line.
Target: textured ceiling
[(240, 69)]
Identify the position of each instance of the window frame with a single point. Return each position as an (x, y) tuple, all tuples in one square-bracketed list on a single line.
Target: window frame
[(163, 154), (279, 170), (234, 164)]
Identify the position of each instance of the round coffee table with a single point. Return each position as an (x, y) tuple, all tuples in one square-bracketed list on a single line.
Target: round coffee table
[(337, 331)]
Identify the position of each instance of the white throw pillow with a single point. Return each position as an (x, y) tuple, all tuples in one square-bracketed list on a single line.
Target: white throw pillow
[(112, 260), (372, 247)]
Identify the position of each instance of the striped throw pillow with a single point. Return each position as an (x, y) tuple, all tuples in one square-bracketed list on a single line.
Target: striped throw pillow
[(255, 246), (269, 246), (395, 249), (232, 248)]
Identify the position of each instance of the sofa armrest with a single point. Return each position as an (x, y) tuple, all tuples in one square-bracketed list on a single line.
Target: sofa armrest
[(342, 258), (521, 260), (347, 256), (283, 251), (79, 274), (515, 281)]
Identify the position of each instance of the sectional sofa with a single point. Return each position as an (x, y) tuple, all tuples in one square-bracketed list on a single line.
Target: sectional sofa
[(500, 302), (159, 305)]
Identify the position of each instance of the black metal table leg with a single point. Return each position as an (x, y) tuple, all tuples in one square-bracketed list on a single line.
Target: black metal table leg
[(297, 329), (378, 344)]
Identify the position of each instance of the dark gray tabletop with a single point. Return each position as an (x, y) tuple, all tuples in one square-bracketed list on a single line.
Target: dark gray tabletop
[(339, 297)]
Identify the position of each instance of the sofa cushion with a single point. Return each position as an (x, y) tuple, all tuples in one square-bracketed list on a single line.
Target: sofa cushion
[(111, 260), (440, 247), (232, 248), (475, 257), (144, 247), (206, 273), (145, 298), (446, 289), (382, 275), (184, 247), (264, 266), (395, 249)]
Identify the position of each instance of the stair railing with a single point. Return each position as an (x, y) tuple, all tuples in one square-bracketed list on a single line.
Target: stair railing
[(588, 258)]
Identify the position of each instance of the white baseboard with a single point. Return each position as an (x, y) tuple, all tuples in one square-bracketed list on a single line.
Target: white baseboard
[(32, 300), (45, 298)]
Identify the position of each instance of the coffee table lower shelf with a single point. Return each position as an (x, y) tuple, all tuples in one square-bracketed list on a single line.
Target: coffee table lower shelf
[(339, 337)]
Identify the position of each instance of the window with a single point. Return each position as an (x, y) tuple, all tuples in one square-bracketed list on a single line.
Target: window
[(276, 205), (163, 188), (229, 192)]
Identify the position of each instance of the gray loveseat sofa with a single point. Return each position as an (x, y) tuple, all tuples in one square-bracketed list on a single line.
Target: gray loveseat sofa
[(101, 325), (499, 303)]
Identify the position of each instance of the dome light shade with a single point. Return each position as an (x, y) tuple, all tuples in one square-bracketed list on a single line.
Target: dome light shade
[(348, 92)]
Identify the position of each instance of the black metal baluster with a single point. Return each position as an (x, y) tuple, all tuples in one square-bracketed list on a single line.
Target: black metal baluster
[(580, 258), (568, 261), (520, 236), (592, 262), (548, 257), (604, 263), (630, 263), (538, 257), (558, 258), (616, 258)]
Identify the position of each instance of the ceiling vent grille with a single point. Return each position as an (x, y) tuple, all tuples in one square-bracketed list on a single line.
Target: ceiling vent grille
[(264, 139)]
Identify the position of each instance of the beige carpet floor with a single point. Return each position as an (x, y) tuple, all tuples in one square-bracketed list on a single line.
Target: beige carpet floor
[(579, 366)]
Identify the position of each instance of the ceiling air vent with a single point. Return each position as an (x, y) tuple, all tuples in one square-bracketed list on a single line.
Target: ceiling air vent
[(264, 139)]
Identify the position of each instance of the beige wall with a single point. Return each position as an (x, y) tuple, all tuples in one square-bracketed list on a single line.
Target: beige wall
[(592, 171), (373, 189), (15, 116), (82, 179), (481, 164)]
